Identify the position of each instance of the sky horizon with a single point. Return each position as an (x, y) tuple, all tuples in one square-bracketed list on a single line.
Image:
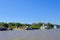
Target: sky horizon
[(30, 11)]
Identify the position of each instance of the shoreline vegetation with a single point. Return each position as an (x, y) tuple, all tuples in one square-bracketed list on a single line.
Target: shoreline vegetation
[(33, 26)]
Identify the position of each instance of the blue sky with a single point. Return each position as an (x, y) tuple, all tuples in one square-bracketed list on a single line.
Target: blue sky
[(30, 11)]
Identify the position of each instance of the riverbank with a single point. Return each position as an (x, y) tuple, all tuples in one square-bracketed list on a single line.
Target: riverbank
[(18, 29)]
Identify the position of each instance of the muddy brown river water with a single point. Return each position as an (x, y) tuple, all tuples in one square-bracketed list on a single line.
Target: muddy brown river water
[(53, 34)]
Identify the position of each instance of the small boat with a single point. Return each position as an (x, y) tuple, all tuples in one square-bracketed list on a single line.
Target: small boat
[(3, 29), (28, 28)]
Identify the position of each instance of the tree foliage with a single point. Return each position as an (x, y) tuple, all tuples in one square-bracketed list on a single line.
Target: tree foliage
[(49, 26), (13, 25)]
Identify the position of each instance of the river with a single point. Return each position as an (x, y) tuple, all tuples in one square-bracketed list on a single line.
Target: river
[(53, 34)]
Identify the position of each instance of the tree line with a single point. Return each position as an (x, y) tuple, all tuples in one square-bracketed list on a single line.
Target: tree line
[(13, 25)]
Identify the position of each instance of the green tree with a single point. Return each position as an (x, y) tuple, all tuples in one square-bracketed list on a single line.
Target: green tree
[(23, 26), (40, 24), (34, 26), (18, 25), (50, 26), (11, 25), (5, 25)]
